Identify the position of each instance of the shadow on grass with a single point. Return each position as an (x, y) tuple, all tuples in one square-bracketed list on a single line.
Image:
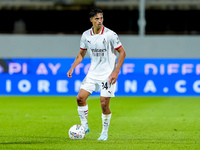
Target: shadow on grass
[(22, 142), (6, 140)]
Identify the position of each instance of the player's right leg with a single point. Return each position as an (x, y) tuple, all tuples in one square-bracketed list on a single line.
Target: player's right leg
[(83, 108)]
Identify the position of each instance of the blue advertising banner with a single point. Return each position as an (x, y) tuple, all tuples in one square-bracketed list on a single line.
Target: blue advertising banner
[(138, 77)]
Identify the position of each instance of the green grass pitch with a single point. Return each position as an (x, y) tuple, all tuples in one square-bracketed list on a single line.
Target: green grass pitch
[(137, 123)]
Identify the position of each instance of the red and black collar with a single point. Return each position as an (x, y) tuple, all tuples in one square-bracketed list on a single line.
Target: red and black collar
[(92, 33)]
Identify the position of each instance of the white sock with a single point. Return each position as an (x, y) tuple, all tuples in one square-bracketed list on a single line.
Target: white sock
[(105, 121), (83, 112)]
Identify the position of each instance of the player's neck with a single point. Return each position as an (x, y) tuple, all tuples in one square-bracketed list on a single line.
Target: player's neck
[(97, 30)]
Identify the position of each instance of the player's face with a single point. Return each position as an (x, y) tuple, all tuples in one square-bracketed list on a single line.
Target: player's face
[(97, 21)]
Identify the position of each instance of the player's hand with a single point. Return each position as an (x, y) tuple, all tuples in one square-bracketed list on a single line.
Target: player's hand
[(113, 77), (69, 73)]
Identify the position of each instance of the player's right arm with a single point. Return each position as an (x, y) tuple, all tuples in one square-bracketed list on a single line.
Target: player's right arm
[(78, 59)]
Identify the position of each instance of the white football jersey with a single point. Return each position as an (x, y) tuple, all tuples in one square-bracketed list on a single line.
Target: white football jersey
[(102, 51)]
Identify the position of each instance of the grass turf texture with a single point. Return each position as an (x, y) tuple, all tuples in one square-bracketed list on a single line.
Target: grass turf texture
[(152, 123)]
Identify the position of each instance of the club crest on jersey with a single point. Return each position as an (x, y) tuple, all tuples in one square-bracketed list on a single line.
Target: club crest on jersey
[(104, 41)]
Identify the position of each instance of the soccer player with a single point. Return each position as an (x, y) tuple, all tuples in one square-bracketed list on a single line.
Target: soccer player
[(102, 45)]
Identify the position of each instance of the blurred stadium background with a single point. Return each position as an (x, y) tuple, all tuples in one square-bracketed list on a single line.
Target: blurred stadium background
[(163, 17), (163, 22)]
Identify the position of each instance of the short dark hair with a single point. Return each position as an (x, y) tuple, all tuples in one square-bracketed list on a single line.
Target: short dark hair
[(94, 12)]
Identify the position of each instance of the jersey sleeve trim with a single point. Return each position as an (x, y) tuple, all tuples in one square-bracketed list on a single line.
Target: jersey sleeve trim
[(83, 48), (118, 47)]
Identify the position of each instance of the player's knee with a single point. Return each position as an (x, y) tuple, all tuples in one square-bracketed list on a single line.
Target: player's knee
[(104, 103), (80, 100), (105, 107)]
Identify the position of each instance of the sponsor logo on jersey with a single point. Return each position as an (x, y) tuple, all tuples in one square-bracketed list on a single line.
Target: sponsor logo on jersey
[(98, 52)]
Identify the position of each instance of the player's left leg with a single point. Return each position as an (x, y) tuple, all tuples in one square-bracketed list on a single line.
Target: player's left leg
[(106, 116), (107, 91)]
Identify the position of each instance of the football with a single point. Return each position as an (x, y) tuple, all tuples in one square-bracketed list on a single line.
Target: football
[(76, 132)]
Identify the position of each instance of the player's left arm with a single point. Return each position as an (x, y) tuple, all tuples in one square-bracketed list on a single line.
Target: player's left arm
[(114, 75)]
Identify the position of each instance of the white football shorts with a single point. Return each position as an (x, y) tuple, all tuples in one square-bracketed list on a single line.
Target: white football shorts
[(90, 85)]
